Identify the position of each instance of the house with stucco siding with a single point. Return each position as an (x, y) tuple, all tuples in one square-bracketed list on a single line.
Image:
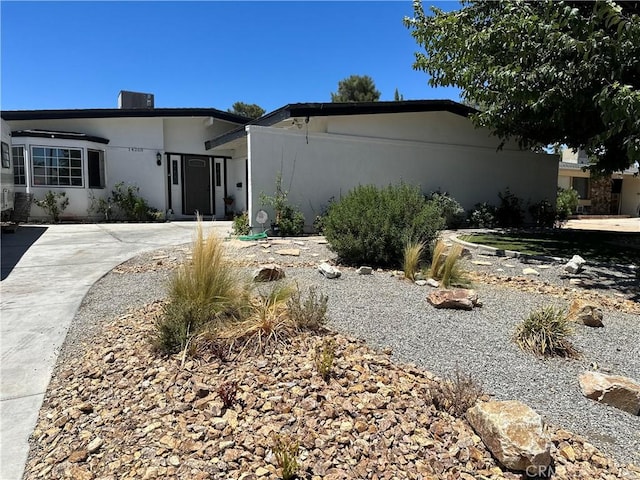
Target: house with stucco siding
[(189, 160)]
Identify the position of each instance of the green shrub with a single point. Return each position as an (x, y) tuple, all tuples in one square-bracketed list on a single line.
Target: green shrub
[(53, 203), (483, 215), (324, 358), (371, 225), (510, 212), (318, 222), (241, 224), (566, 203), (543, 214), (545, 332), (452, 212), (130, 204), (289, 220)]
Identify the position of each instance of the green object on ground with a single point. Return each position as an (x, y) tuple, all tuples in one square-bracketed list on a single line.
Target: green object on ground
[(255, 236)]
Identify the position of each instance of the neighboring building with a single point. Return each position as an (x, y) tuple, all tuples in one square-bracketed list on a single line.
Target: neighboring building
[(618, 194), (186, 160)]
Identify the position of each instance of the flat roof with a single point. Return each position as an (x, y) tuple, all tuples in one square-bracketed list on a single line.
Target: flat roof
[(122, 113), (56, 134), (340, 109)]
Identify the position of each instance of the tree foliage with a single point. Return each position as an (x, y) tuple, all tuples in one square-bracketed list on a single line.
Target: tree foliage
[(356, 88), (250, 110), (543, 72)]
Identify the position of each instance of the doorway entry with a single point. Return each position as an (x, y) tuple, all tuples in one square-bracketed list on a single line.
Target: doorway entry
[(204, 185)]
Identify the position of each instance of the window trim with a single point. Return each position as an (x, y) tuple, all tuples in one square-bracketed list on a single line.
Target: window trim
[(6, 155), (82, 151), (102, 167), (15, 165)]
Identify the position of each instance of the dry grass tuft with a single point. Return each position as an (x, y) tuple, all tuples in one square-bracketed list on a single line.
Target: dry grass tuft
[(412, 255), (456, 394), (445, 266)]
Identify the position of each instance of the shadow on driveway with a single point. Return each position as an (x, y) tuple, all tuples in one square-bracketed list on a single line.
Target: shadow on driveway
[(14, 246)]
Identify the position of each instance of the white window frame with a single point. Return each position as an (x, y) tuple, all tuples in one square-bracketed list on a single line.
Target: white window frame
[(57, 167), (16, 164)]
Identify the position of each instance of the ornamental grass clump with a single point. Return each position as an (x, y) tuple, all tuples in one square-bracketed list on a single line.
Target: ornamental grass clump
[(286, 450), (545, 332), (309, 313), (413, 252), (203, 292), (445, 267)]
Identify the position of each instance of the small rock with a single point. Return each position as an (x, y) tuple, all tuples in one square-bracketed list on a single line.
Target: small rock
[(513, 432), (78, 456), (85, 407), (226, 444), (586, 313), (329, 271), (268, 273), (575, 265), (261, 472), (364, 270), (530, 271), (95, 445), (480, 262), (615, 390), (109, 358), (433, 283), (456, 298), (420, 283)]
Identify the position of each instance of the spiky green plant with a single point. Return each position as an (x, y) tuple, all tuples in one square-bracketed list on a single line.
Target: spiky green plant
[(286, 450), (412, 255), (545, 332)]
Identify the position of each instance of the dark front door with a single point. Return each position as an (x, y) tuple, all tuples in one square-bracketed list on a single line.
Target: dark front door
[(197, 185)]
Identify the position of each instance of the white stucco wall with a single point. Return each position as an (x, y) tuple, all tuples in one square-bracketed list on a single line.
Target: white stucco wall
[(630, 196), (330, 165)]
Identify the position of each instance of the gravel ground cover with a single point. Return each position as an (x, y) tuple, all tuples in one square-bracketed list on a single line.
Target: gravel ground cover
[(387, 311)]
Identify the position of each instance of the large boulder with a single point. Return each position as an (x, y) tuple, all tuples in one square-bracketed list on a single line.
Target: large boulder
[(268, 273), (514, 434), (615, 390), (455, 298), (586, 313)]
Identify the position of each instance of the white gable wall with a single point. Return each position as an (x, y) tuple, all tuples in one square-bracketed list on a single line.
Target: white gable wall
[(330, 165)]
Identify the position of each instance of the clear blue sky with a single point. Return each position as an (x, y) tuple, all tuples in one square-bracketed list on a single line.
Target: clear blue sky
[(59, 55)]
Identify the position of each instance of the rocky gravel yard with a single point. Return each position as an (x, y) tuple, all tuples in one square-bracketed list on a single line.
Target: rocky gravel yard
[(113, 410)]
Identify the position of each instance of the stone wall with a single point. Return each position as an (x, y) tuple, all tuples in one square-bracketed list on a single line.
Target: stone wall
[(600, 195)]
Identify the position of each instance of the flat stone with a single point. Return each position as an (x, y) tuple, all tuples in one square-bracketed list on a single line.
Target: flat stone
[(294, 252), (329, 271), (364, 270), (530, 271), (615, 390), (433, 283), (420, 283), (513, 432), (95, 445), (481, 262)]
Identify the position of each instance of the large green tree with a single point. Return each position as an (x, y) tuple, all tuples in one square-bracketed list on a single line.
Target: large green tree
[(250, 110), (542, 72), (356, 88)]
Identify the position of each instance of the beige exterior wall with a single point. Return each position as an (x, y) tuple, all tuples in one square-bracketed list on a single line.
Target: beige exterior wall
[(630, 196)]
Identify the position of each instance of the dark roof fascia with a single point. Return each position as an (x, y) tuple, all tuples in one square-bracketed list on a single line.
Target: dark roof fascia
[(63, 135), (122, 113), (340, 109)]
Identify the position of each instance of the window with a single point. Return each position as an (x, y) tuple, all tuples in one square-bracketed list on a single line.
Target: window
[(581, 185), (95, 168), (19, 177), (57, 166), (6, 158)]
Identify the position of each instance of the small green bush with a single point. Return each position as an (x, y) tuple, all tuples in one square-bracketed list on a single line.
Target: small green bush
[(545, 332), (483, 215), (289, 220), (324, 359), (53, 203), (566, 203), (286, 450), (241, 224), (371, 225), (130, 204), (452, 212), (510, 212)]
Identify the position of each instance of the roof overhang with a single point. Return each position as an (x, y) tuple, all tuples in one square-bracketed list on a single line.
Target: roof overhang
[(341, 109), (54, 134)]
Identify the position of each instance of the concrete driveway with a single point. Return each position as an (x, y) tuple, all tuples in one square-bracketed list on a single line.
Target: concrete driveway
[(46, 272), (606, 224)]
